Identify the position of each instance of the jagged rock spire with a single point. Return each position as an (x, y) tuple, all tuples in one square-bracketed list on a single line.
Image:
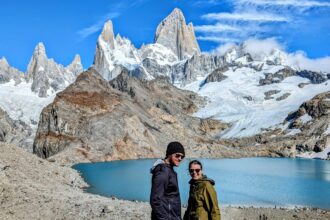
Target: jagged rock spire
[(38, 60), (7, 72), (113, 53), (107, 34), (76, 66), (173, 33), (77, 59)]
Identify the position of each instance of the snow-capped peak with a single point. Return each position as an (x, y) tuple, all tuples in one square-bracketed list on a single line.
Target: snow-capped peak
[(232, 54), (111, 52), (277, 57)]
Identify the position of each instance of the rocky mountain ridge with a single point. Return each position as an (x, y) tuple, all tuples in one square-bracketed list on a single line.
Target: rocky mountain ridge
[(94, 120), (45, 75), (7, 72), (175, 53)]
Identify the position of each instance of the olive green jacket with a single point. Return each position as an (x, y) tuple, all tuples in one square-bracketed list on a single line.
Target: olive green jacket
[(203, 202)]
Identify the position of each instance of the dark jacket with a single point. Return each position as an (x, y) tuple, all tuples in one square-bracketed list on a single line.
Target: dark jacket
[(203, 202), (165, 196)]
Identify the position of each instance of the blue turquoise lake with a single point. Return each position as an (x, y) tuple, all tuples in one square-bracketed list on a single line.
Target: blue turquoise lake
[(263, 182)]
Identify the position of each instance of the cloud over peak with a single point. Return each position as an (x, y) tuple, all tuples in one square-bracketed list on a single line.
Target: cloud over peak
[(246, 16)]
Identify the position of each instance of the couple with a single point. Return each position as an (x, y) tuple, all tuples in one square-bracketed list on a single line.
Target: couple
[(165, 196)]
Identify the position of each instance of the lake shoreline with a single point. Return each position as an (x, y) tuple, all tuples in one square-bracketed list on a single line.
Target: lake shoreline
[(34, 188), (258, 182)]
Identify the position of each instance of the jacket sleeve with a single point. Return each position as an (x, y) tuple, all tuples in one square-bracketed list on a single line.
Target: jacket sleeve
[(211, 202), (157, 197), (187, 212)]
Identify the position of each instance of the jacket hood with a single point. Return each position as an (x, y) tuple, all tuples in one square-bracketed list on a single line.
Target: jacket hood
[(159, 161), (204, 178)]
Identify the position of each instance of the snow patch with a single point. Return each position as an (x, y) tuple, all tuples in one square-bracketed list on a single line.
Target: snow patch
[(327, 131), (305, 118), (312, 155), (21, 103), (293, 132)]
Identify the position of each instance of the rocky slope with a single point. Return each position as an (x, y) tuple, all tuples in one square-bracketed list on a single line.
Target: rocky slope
[(94, 120), (124, 119), (15, 132), (33, 188)]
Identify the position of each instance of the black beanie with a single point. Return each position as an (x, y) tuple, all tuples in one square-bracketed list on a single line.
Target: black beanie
[(174, 147)]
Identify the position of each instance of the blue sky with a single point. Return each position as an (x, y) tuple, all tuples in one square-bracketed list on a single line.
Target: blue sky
[(69, 27)]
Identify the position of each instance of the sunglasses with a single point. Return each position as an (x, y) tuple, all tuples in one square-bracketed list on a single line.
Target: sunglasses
[(194, 170), (179, 156)]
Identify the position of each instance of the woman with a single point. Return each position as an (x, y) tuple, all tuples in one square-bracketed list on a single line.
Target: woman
[(203, 202)]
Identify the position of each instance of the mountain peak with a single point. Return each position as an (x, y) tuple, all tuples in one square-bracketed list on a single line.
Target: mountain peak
[(176, 14), (38, 60), (4, 62), (76, 66), (174, 33), (40, 49), (76, 59), (107, 34)]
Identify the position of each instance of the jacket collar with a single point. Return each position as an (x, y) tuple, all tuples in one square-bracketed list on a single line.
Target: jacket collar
[(204, 178)]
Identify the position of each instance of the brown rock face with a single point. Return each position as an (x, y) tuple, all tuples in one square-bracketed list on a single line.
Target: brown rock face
[(173, 33), (94, 120)]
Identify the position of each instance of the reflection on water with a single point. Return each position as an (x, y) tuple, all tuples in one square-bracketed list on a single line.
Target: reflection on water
[(247, 181)]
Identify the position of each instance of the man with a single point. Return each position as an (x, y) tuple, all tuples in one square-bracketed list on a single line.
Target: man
[(165, 196)]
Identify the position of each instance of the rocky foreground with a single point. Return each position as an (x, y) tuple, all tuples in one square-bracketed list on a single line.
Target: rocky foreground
[(34, 188)]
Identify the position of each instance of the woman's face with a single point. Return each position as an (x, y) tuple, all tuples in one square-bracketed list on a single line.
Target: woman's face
[(195, 171)]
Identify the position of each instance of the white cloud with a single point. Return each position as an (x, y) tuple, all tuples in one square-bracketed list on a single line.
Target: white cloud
[(97, 26), (216, 28), (300, 61), (286, 3), (217, 39), (251, 16), (258, 49), (221, 50)]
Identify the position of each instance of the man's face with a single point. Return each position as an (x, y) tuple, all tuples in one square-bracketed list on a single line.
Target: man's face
[(176, 158)]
